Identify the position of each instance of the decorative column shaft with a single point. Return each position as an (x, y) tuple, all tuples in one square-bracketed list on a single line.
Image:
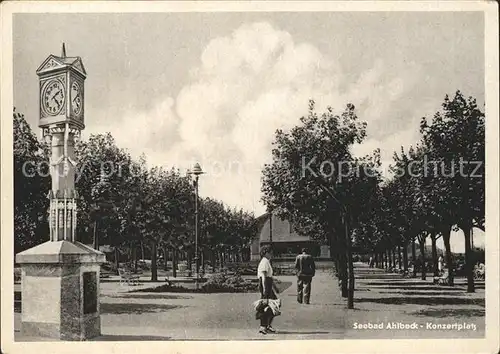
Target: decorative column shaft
[(63, 196)]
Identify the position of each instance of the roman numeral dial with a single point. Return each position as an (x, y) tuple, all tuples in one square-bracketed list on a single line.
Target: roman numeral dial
[(53, 97), (76, 98)]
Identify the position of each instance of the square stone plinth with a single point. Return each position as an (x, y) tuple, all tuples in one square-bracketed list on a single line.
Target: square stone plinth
[(60, 291)]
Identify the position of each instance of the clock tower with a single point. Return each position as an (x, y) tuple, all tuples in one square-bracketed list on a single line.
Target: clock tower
[(61, 107), (60, 278)]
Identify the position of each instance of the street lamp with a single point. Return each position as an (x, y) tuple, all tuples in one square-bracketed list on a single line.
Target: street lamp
[(101, 204), (197, 171)]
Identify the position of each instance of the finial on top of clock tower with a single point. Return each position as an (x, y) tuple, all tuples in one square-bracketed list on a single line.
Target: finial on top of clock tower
[(63, 53)]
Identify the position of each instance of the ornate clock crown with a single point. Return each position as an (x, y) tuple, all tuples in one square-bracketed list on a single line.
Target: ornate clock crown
[(57, 63), (61, 90)]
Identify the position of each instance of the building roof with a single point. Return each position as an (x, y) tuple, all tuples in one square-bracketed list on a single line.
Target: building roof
[(282, 231)]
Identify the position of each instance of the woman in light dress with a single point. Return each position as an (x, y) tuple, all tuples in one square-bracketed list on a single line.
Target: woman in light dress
[(268, 307)]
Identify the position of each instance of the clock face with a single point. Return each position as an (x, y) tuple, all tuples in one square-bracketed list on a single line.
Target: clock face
[(53, 97), (76, 98)]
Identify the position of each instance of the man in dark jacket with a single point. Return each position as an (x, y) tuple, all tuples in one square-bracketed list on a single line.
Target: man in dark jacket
[(306, 269)]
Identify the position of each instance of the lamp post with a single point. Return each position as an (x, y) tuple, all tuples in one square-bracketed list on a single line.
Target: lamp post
[(100, 195), (197, 171)]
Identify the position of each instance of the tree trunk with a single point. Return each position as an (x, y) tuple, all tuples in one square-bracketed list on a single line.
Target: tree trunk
[(117, 259), (174, 262), (142, 250), (134, 256), (343, 274), (203, 261), (434, 255), (469, 266), (405, 256), (399, 257), (214, 260), (165, 258), (422, 256), (350, 294), (394, 256), (343, 267), (413, 256), (189, 264), (449, 260), (154, 270), (96, 241), (376, 260), (332, 242)]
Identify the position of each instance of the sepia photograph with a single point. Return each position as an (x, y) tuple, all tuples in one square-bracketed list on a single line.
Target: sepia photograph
[(257, 172)]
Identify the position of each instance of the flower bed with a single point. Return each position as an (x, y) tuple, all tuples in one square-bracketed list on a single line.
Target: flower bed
[(216, 283)]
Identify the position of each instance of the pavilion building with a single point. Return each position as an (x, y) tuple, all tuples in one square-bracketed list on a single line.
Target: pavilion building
[(286, 242)]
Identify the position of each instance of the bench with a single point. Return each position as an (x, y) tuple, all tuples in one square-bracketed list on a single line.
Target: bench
[(479, 273), (127, 277), (444, 279)]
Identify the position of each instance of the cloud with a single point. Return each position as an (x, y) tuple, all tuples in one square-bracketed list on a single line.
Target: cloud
[(247, 85)]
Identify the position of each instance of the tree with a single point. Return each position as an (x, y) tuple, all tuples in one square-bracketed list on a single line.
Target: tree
[(166, 213), (214, 227), (455, 139), (177, 209), (311, 181), (403, 192), (31, 186), (106, 182)]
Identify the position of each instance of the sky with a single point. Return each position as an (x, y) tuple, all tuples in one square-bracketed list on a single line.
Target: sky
[(213, 87)]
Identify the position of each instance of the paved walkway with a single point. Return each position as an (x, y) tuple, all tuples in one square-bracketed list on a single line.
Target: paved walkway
[(379, 298), (223, 316)]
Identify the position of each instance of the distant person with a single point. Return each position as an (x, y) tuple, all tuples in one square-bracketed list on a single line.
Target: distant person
[(306, 269), (370, 262), (440, 264), (267, 290), (411, 268)]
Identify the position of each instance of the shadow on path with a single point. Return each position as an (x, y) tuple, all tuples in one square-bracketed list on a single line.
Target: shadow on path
[(395, 287), (403, 282), (450, 312), (149, 296), (283, 285), (297, 332), (424, 301), (117, 338), (422, 293), (128, 308)]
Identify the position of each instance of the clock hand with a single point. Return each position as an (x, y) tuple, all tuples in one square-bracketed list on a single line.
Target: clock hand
[(53, 98), (54, 95)]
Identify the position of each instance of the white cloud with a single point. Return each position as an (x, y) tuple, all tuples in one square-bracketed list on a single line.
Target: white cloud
[(246, 86)]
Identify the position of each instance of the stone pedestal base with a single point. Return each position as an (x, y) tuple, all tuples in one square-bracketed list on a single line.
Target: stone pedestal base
[(60, 291)]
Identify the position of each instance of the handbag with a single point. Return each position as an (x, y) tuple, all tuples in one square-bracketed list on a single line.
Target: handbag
[(275, 306)]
